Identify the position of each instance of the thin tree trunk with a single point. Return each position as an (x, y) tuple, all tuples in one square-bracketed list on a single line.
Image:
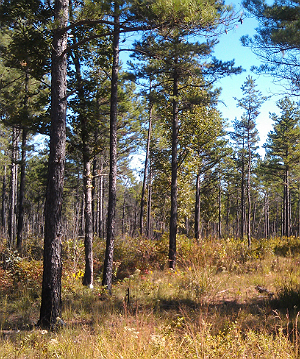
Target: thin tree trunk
[(149, 204), (4, 202), (146, 167), (101, 222), (242, 224), (13, 188), (87, 178), (94, 187), (88, 238), (197, 208), (249, 193), (22, 192), (108, 262), (220, 213), (174, 190), (51, 306)]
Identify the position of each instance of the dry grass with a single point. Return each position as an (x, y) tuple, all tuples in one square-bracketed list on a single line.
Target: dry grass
[(208, 308)]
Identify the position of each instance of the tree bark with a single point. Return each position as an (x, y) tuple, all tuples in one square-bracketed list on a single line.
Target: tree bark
[(197, 208), (108, 262), (87, 177), (220, 213), (50, 311), (146, 166), (88, 238), (13, 188), (174, 190), (22, 192), (149, 204), (4, 202), (249, 190), (242, 224)]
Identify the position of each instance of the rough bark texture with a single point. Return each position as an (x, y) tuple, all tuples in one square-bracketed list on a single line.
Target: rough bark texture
[(173, 217), (108, 262), (50, 312)]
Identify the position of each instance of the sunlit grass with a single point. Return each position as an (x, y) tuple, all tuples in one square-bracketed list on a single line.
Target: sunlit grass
[(209, 307)]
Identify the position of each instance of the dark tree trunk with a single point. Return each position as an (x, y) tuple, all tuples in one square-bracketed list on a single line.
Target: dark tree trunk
[(101, 195), (197, 208), (242, 224), (123, 214), (51, 288), (146, 167), (220, 213), (22, 192), (174, 205), (108, 262), (249, 192), (13, 189), (149, 204), (87, 177), (266, 215), (94, 187), (4, 202), (88, 238)]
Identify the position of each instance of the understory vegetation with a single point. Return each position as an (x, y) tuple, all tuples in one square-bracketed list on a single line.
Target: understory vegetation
[(222, 301)]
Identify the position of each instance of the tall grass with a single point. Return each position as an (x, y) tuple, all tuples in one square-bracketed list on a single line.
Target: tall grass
[(208, 307)]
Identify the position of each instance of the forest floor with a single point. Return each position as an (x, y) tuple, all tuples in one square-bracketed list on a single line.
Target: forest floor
[(222, 301)]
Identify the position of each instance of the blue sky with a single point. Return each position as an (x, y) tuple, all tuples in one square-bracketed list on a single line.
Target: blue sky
[(230, 47)]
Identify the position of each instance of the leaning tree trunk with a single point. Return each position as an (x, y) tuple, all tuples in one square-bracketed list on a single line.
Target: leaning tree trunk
[(109, 252), (51, 307), (174, 204)]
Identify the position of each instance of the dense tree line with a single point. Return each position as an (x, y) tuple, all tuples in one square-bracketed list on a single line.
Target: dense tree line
[(61, 77)]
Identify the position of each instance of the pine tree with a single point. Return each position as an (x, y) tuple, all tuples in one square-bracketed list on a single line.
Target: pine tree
[(247, 133), (283, 151)]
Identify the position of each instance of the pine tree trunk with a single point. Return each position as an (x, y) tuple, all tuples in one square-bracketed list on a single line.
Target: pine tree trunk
[(146, 169), (101, 195), (22, 192), (87, 178), (4, 203), (197, 208), (13, 188), (94, 187), (51, 305), (249, 192), (88, 238), (220, 213), (149, 204), (174, 205), (242, 224), (108, 262)]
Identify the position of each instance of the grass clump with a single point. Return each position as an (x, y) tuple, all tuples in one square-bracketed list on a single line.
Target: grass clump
[(209, 307)]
